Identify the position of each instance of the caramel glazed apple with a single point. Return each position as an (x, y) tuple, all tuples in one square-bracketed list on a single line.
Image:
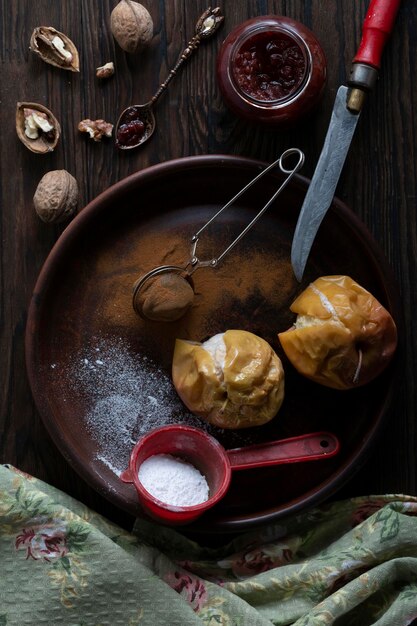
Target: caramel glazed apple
[(232, 380), (342, 337)]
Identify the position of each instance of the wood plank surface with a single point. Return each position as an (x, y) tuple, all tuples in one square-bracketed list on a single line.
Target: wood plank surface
[(378, 181)]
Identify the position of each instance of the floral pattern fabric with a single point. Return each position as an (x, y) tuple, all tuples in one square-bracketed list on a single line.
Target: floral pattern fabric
[(349, 563)]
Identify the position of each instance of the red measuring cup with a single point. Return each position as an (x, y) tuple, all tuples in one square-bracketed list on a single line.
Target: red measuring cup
[(215, 463)]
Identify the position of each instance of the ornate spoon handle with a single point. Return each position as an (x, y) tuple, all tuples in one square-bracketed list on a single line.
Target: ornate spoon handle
[(206, 26)]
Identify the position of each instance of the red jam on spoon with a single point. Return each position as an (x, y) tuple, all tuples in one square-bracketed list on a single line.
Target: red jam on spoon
[(131, 128), (137, 123)]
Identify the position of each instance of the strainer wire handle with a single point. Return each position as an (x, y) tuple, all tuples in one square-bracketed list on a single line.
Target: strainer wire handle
[(280, 162)]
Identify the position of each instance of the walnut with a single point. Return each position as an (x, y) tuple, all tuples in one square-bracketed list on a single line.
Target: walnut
[(96, 128), (55, 48), (131, 25), (56, 196), (105, 71), (37, 127)]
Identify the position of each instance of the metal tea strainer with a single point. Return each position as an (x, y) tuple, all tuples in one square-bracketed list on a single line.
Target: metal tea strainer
[(183, 273)]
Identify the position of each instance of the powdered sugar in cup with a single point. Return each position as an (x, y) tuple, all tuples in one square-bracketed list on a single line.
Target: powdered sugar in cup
[(194, 458), (183, 459)]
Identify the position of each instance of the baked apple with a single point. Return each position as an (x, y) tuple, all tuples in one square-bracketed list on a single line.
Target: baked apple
[(342, 337), (232, 380)]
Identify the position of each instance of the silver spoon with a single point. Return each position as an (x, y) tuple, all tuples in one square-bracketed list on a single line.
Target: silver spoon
[(137, 123)]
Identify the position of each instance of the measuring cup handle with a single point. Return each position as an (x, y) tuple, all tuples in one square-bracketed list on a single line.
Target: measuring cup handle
[(303, 448)]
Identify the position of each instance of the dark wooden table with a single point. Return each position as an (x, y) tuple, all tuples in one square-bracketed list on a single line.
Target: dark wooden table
[(378, 182)]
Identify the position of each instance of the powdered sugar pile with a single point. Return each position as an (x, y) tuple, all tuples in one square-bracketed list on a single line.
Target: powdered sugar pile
[(173, 480), (127, 395)]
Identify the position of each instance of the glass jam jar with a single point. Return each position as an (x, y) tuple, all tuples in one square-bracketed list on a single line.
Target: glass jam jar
[(271, 70)]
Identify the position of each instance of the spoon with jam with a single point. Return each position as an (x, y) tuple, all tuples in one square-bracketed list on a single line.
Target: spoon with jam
[(137, 123)]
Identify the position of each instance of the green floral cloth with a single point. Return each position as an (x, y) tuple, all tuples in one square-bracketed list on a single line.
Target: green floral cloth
[(347, 563)]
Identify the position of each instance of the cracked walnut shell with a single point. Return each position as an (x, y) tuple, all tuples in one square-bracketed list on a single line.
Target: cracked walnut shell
[(37, 127), (55, 48), (56, 196)]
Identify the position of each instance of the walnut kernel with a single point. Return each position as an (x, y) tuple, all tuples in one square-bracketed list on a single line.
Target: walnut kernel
[(56, 196), (96, 128), (131, 25), (36, 122), (106, 70)]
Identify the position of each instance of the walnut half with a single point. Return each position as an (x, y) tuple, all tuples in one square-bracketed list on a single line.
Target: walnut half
[(37, 128), (55, 48)]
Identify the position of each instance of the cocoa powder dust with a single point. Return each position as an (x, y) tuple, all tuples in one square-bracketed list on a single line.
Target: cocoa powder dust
[(251, 289), (163, 298)]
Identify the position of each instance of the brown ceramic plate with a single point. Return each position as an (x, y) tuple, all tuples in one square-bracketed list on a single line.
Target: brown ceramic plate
[(83, 300)]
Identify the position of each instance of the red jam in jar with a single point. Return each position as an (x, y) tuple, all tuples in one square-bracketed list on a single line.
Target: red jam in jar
[(269, 66), (271, 70)]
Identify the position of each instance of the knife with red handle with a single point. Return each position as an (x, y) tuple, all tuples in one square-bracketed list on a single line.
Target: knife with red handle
[(377, 26)]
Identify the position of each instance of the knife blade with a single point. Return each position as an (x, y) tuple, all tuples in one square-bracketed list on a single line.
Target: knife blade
[(378, 24)]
